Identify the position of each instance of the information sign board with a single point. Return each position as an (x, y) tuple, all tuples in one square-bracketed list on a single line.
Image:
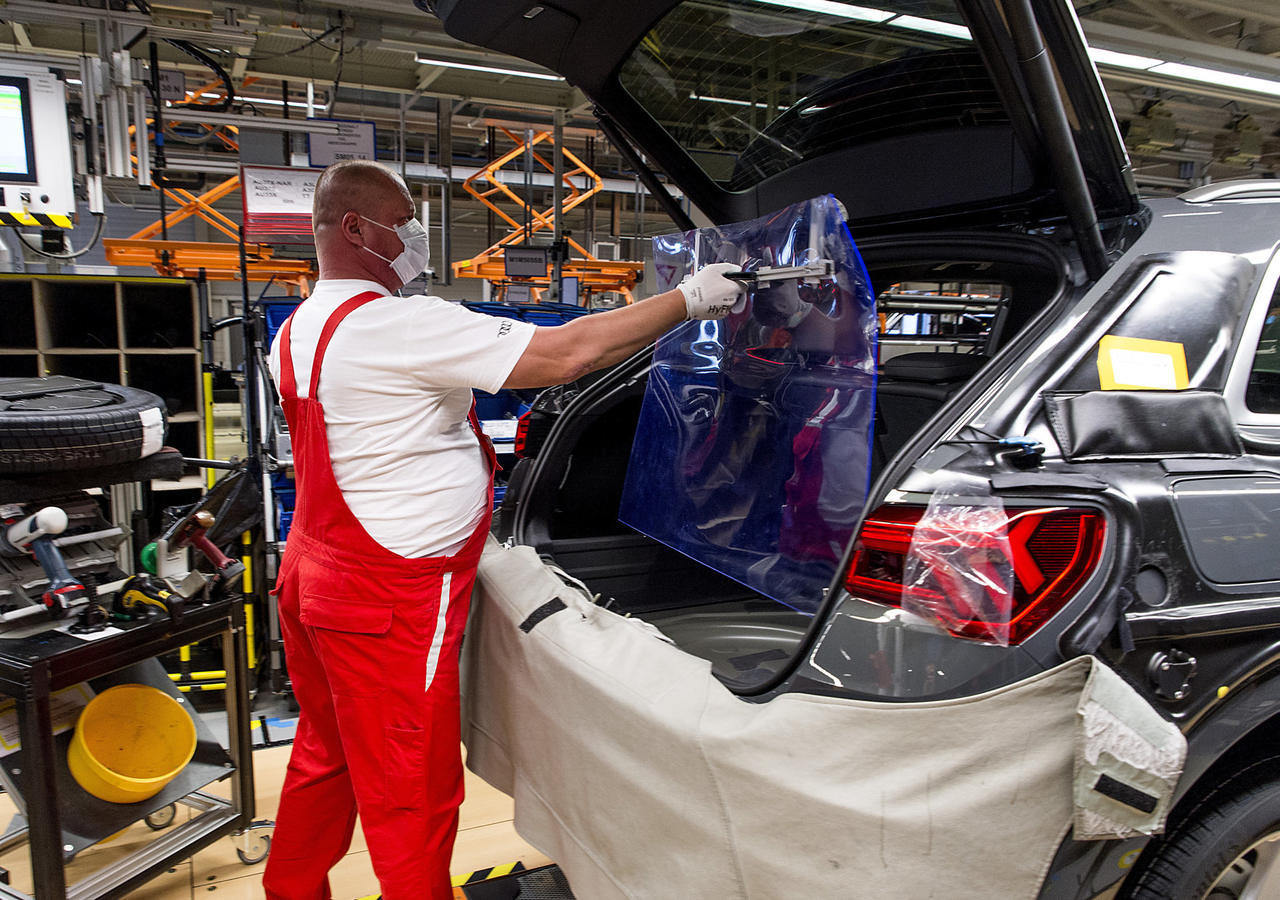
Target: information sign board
[(354, 140), (277, 203)]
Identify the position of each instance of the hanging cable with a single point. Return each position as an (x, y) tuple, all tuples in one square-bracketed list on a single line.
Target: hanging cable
[(337, 78), (201, 57), (100, 219), (314, 40)]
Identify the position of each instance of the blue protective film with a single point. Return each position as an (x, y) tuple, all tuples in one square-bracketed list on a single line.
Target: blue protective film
[(753, 447)]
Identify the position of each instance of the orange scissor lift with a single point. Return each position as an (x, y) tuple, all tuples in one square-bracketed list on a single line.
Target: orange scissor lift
[(594, 275), (219, 261)]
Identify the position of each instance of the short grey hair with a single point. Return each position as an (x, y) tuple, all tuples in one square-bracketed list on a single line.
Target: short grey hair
[(352, 184)]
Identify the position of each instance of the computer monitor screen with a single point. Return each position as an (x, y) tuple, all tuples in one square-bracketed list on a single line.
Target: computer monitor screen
[(518, 293), (17, 143), (525, 262), (569, 290)]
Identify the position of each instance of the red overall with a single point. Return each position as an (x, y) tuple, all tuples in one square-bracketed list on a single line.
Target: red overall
[(372, 642)]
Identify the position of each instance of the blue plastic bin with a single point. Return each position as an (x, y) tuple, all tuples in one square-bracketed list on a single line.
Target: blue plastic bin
[(284, 521), (275, 312)]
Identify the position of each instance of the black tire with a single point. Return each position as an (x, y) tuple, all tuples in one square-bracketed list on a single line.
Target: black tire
[(66, 423), (1227, 847)]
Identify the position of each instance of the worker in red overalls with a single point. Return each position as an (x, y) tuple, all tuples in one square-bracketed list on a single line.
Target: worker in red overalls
[(394, 497)]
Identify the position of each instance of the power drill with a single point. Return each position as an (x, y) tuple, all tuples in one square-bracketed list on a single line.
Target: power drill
[(35, 534), (160, 557)]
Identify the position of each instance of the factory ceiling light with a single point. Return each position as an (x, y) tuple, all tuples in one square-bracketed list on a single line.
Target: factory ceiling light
[(877, 16), (709, 99), (932, 26), (265, 101), (1114, 59), (1186, 72), (496, 70), (830, 8)]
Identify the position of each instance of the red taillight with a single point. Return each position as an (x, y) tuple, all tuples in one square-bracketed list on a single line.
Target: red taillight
[(1050, 552), (522, 434)]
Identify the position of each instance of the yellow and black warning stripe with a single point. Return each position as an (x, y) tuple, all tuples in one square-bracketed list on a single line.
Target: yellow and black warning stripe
[(479, 875), (485, 874), (29, 218)]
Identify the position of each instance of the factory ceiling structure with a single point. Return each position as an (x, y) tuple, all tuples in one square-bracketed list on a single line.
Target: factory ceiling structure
[(1195, 84)]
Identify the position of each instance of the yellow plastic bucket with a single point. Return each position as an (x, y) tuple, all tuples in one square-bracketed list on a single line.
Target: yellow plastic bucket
[(130, 741)]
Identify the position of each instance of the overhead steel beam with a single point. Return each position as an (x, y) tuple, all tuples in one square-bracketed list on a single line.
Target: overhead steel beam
[(1173, 49), (158, 26), (1263, 12), (414, 171), (1176, 24), (1153, 79), (267, 123)]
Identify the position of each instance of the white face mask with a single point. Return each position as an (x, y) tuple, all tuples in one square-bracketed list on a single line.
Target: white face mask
[(416, 253)]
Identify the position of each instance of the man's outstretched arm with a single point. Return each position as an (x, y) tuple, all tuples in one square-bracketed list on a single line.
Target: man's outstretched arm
[(563, 353)]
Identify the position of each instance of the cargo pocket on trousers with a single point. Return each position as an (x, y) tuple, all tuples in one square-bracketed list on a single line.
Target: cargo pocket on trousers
[(406, 770), (350, 637), (346, 615)]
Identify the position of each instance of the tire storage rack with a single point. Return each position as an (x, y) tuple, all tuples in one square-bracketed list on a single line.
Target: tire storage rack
[(43, 659), (139, 332), (143, 332)]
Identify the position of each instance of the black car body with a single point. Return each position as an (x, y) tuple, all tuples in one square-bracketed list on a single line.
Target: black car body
[(959, 160)]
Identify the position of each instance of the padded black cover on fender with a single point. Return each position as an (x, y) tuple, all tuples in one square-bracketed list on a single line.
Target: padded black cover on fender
[(1141, 424)]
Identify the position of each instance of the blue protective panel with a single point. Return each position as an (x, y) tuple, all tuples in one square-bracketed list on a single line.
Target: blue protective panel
[(753, 446)]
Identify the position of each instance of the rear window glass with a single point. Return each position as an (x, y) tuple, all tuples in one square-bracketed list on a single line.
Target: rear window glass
[(753, 87), (1263, 393)]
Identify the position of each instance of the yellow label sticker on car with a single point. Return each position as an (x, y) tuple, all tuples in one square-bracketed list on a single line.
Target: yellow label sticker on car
[(1138, 364)]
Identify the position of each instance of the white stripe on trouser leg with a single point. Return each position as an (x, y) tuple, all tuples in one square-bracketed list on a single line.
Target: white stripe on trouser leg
[(437, 640)]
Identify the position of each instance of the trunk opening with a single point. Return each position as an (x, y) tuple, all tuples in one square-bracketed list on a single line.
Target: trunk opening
[(567, 498)]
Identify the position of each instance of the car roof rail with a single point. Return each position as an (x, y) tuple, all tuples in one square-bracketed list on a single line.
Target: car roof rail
[(1240, 189)]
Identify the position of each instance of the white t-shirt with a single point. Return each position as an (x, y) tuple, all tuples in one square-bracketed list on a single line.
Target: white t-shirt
[(396, 388)]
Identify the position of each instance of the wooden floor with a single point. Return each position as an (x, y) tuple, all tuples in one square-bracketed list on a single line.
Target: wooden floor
[(485, 838)]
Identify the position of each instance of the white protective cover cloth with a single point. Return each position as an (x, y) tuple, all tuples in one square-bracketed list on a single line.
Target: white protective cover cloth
[(642, 776)]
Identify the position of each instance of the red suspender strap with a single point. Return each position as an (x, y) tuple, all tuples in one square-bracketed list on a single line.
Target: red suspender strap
[(288, 387), (329, 328)]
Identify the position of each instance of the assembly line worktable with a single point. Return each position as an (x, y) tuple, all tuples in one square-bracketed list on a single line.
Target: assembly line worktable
[(62, 819)]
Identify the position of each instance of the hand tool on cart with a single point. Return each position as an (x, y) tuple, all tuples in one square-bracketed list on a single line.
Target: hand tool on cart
[(141, 594), (92, 618), (34, 534), (190, 531)]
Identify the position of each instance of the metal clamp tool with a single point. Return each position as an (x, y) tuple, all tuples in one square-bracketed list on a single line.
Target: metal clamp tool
[(809, 272)]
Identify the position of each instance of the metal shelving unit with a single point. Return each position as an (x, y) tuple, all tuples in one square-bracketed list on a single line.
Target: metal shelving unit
[(61, 819), (140, 332)]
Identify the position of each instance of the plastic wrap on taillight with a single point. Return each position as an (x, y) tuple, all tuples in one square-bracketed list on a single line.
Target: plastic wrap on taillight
[(881, 552), (1053, 551)]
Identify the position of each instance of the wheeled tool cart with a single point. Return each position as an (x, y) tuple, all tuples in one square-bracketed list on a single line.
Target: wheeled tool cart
[(50, 666)]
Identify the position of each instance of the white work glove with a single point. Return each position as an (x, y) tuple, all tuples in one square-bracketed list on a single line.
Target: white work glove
[(708, 294)]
